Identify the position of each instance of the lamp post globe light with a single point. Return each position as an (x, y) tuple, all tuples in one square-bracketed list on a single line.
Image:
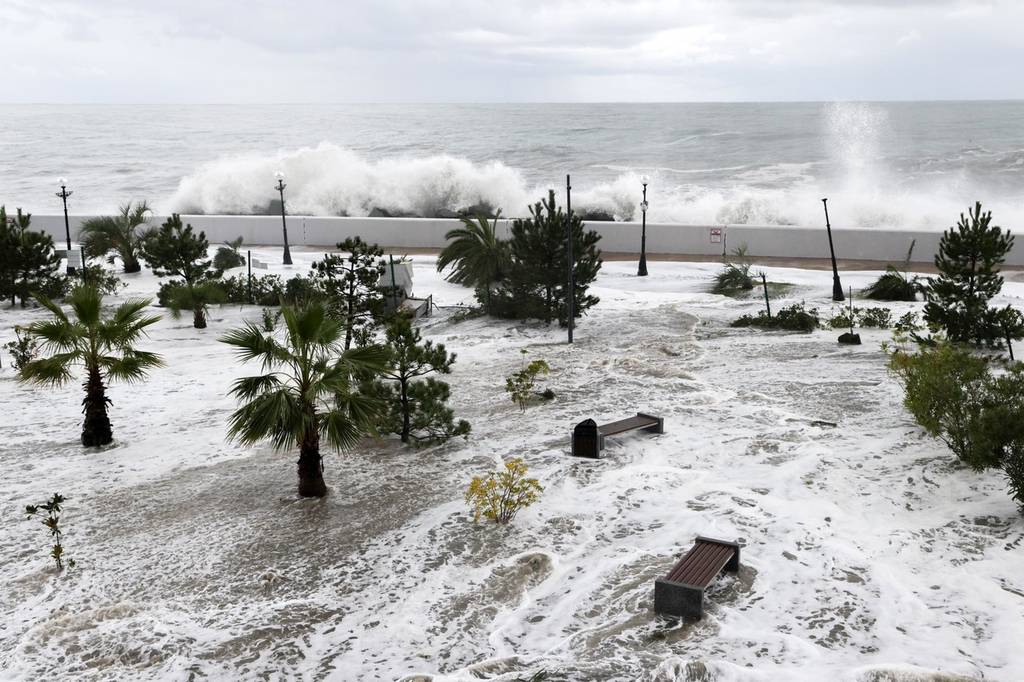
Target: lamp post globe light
[(284, 225), (64, 194), (642, 269)]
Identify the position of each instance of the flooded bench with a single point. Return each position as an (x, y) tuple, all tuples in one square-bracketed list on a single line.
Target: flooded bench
[(681, 592), (588, 437)]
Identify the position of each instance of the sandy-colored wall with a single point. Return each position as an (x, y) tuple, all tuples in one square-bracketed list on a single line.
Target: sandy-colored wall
[(780, 241)]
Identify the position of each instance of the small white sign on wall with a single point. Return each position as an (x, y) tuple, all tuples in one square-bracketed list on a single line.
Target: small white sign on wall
[(716, 235)]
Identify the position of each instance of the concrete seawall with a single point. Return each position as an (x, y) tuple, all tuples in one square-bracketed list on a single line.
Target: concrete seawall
[(852, 243)]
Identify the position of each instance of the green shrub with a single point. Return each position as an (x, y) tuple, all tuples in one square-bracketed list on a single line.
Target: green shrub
[(945, 389), (1013, 467), (876, 318), (500, 495), (792, 318), (52, 507), (105, 281), (227, 256), (735, 275), (896, 284), (267, 290), (908, 322), (23, 349), (520, 385), (840, 320)]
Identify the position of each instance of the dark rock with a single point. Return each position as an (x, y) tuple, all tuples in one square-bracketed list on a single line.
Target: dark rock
[(378, 212), (849, 339), (481, 208), (596, 214)]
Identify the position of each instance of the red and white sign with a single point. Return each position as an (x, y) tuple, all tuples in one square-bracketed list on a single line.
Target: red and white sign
[(716, 235)]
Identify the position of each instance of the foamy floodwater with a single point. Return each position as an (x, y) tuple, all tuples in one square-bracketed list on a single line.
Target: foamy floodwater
[(869, 554)]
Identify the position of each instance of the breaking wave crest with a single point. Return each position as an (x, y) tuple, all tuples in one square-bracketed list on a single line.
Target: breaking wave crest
[(334, 181)]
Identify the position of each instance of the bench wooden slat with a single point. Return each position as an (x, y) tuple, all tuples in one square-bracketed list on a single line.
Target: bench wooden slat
[(627, 424), (701, 572)]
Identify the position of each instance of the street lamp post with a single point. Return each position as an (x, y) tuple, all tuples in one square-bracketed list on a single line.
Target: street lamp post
[(571, 291), (642, 269), (837, 287), (284, 225), (64, 194)]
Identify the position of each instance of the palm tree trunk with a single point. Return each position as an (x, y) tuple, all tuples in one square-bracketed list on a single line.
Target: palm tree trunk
[(311, 475), (199, 318), (131, 263), (96, 427)]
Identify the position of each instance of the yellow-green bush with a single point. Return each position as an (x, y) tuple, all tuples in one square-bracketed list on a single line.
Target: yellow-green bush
[(500, 495)]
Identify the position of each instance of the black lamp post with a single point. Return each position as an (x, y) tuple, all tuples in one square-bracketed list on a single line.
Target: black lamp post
[(642, 269), (837, 288), (64, 194), (284, 225), (571, 291)]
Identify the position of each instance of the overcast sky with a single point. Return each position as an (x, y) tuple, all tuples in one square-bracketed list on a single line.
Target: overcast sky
[(509, 50)]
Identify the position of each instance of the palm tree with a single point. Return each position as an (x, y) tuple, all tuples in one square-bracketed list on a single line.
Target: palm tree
[(118, 233), (103, 346), (307, 390), (478, 257)]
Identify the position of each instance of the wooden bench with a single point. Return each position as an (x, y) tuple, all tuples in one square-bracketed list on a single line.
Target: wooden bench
[(681, 592), (588, 437)]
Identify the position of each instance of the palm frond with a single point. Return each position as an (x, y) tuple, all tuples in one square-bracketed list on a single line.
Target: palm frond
[(251, 343), (276, 416), (58, 334), (52, 371), (87, 304), (248, 388), (130, 367), (365, 359), (339, 430)]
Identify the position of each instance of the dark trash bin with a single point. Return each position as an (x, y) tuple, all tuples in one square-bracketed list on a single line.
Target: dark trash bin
[(586, 440)]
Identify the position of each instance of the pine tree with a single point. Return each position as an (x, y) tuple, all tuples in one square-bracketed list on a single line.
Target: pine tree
[(415, 408), (537, 282), (351, 285), (968, 262), (174, 250), (29, 261)]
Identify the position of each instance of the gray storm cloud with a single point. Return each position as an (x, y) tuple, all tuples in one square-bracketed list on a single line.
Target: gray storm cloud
[(478, 50)]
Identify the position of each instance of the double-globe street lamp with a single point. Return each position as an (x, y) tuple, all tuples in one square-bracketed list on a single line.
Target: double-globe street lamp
[(642, 269), (64, 194), (284, 225)]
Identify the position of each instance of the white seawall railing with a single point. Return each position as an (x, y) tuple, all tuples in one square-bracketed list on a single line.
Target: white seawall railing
[(782, 241)]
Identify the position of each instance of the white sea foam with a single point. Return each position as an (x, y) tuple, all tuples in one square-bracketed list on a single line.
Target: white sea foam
[(330, 180)]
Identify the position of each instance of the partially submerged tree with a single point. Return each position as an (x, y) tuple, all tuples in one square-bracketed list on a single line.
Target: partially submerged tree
[(537, 282), (352, 286), (120, 234), (174, 250), (28, 260), (103, 346), (227, 255), (896, 284), (306, 394), (477, 256), (958, 300), (416, 407)]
